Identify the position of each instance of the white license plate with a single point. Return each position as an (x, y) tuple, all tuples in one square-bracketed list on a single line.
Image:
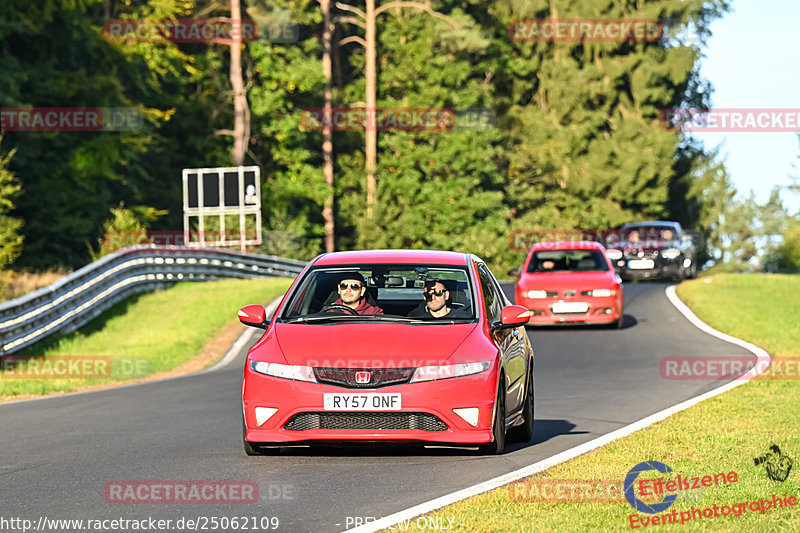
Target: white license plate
[(641, 264), (368, 401), (570, 307)]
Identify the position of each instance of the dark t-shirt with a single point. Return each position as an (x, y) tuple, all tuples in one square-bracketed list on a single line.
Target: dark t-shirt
[(422, 311)]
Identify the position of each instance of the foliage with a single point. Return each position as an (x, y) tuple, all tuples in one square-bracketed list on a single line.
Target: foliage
[(578, 142), (10, 237)]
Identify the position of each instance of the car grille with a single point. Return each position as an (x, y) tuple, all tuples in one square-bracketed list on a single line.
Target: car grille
[(634, 254), (359, 420), (378, 377)]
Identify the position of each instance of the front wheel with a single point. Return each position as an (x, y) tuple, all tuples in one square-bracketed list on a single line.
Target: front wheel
[(499, 427), (254, 449), (524, 432)]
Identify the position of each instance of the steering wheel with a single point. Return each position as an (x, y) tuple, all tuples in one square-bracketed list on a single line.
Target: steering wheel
[(341, 307)]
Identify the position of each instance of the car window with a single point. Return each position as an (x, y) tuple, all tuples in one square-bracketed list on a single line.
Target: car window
[(649, 234), (491, 299), (568, 261), (397, 290)]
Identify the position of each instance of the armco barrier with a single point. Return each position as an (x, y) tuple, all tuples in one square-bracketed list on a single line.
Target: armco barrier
[(79, 297)]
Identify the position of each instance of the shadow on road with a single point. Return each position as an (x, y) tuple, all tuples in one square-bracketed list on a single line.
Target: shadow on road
[(544, 430), (628, 321)]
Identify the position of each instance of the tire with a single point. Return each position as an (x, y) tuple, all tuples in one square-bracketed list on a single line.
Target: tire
[(255, 449), (524, 432), (618, 323), (498, 443)]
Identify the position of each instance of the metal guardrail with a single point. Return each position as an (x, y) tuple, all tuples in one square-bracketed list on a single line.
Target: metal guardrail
[(79, 297)]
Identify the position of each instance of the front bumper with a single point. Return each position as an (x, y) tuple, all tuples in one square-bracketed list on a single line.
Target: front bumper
[(604, 310), (664, 268), (437, 398)]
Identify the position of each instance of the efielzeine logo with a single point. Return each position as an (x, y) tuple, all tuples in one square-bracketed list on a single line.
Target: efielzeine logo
[(635, 502), (777, 464)]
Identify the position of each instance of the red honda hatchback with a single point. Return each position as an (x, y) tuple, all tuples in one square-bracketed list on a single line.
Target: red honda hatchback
[(570, 283), (389, 346)]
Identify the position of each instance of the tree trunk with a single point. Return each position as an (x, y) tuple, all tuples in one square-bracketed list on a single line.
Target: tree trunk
[(372, 133), (327, 134), (241, 112)]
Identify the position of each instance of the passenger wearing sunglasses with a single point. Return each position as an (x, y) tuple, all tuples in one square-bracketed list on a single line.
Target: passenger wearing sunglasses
[(435, 304), (352, 289)]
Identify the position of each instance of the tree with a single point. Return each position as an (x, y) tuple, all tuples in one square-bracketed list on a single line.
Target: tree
[(587, 148), (10, 237)]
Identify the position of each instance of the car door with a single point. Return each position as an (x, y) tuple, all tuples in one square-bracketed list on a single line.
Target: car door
[(509, 341)]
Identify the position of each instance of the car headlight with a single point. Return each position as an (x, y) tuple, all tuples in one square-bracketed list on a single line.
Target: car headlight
[(536, 294), (296, 372), (600, 293), (614, 254), (670, 253), (430, 373)]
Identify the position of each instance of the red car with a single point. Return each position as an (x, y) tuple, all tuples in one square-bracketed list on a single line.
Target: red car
[(570, 283), (401, 346)]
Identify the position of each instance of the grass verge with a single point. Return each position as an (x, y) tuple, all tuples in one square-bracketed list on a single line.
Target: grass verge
[(147, 334), (719, 435)]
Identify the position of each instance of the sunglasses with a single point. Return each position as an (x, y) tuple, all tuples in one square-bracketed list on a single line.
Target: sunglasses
[(354, 286), (437, 292)]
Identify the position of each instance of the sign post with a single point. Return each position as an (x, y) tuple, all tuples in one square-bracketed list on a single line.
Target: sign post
[(213, 194)]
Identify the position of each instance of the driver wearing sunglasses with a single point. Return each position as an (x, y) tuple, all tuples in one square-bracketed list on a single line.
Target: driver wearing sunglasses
[(436, 296), (352, 288)]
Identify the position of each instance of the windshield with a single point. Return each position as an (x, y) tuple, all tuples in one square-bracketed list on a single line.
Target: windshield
[(568, 261), (649, 234), (406, 293)]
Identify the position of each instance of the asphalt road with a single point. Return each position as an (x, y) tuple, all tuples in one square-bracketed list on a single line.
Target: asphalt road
[(56, 455)]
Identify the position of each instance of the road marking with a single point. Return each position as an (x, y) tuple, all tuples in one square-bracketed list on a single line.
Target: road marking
[(566, 455), (245, 338)]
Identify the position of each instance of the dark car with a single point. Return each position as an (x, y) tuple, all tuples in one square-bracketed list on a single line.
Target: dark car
[(653, 250)]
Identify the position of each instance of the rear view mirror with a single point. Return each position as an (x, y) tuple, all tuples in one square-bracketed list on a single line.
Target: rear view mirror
[(254, 315)]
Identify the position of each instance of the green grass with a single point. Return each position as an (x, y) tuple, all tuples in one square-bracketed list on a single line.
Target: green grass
[(156, 332), (762, 309), (721, 434)]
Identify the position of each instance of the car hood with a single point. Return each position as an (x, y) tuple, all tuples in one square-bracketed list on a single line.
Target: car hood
[(565, 279), (371, 345)]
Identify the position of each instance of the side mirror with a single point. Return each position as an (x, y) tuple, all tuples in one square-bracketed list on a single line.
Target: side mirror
[(254, 315), (512, 316), (515, 272)]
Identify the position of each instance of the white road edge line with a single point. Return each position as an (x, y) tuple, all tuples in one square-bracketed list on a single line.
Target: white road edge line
[(229, 356), (243, 339), (432, 505)]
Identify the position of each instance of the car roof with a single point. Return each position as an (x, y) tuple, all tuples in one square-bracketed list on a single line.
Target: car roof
[(432, 257), (568, 245), (657, 223)]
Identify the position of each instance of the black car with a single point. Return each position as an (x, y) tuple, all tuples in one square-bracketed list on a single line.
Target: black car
[(653, 250)]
